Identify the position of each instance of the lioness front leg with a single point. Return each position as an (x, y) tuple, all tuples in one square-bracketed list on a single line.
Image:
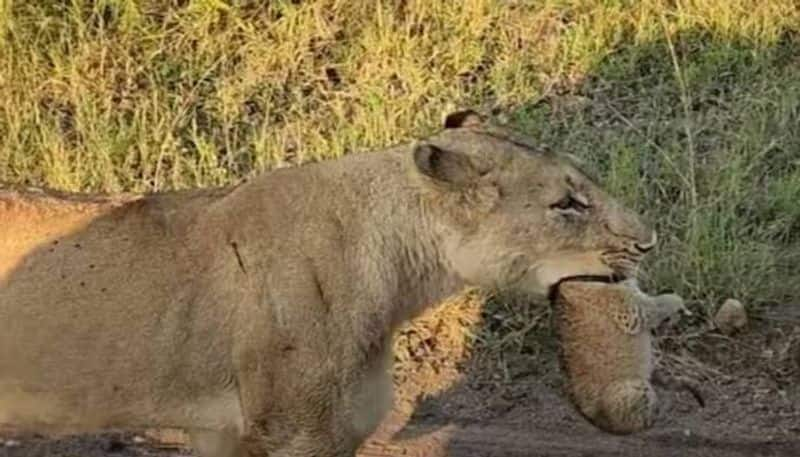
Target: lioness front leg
[(310, 432), (299, 410), (323, 418), (320, 413), (215, 443)]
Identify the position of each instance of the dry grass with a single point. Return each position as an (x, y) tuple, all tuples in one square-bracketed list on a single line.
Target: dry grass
[(430, 351), (687, 109)]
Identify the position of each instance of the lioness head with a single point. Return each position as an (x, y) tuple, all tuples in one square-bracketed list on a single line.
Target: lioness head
[(519, 219)]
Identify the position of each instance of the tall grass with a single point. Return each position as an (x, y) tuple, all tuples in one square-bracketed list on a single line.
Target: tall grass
[(688, 109)]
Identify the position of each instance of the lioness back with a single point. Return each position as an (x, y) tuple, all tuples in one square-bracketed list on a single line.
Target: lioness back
[(70, 267), (32, 217)]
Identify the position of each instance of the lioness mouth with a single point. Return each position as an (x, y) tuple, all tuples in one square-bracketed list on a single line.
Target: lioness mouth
[(608, 279), (605, 279)]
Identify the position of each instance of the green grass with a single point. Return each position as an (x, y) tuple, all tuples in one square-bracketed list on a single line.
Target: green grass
[(689, 110)]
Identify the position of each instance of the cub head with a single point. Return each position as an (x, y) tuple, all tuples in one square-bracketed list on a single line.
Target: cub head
[(515, 218)]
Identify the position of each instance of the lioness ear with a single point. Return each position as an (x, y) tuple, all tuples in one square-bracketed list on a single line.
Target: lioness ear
[(463, 119), (444, 165)]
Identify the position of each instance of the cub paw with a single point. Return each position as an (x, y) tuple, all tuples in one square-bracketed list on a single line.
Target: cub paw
[(627, 406)]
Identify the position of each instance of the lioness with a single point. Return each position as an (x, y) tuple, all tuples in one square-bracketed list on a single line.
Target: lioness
[(259, 316)]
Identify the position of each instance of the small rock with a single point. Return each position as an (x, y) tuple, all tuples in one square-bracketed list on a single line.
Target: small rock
[(139, 439), (11, 443), (731, 316)]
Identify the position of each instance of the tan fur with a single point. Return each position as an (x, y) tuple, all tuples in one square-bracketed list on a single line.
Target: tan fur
[(606, 350), (259, 316)]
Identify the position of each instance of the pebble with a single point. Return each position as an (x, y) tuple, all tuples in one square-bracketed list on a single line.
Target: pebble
[(731, 316)]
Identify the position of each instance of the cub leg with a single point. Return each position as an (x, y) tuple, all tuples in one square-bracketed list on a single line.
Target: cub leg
[(665, 307)]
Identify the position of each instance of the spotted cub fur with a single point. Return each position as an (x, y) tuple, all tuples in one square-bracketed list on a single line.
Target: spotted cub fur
[(606, 351)]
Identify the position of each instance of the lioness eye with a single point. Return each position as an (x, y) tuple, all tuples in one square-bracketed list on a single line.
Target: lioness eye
[(570, 203), (564, 203)]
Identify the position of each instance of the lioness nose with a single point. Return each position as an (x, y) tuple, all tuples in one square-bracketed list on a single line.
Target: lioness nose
[(648, 245)]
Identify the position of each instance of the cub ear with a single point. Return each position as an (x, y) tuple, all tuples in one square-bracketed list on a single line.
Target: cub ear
[(463, 119), (444, 165)]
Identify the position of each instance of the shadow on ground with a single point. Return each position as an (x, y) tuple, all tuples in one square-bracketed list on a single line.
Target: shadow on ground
[(752, 408)]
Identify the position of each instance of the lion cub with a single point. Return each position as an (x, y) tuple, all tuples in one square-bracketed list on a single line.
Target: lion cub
[(606, 352)]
